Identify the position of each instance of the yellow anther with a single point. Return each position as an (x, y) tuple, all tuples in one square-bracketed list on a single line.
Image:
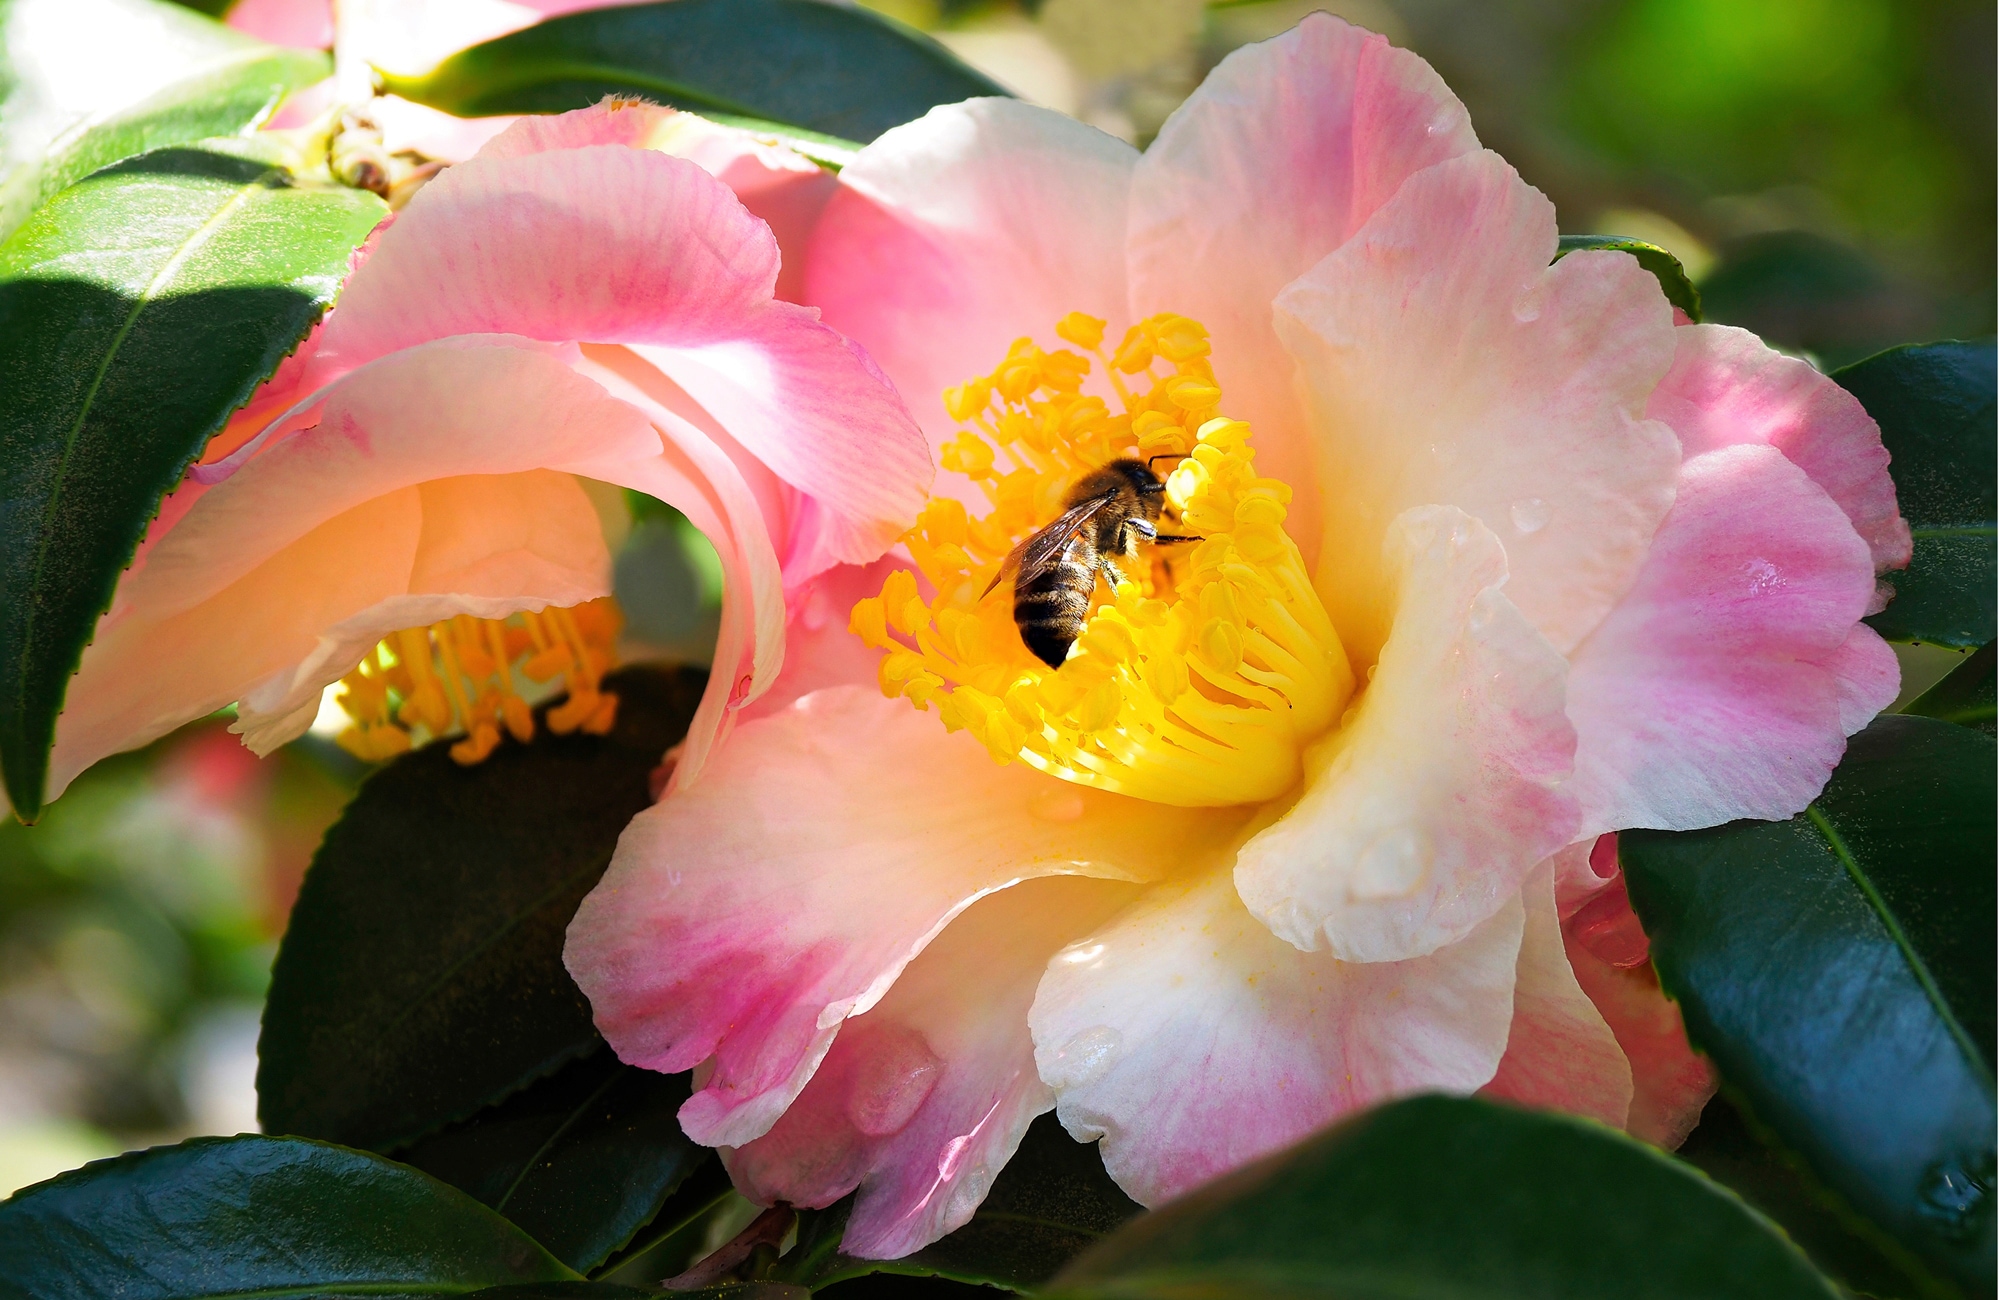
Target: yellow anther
[(870, 622), (968, 399), (1200, 678), (1193, 394), (967, 454), (1135, 353), (1087, 332), (905, 608), (1179, 339), (458, 677)]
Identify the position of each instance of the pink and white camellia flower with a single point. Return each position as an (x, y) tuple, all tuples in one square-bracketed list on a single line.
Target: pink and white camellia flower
[(1496, 559), (571, 307)]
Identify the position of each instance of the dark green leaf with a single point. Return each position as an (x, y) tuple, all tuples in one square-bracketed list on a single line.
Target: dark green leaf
[(255, 1216), (138, 308), (1965, 696), (581, 1160), (1451, 1197), (421, 978), (1839, 968), (607, 1291), (1051, 1201), (835, 69), (231, 99), (567, 1291), (1666, 268), (1935, 404), (1732, 1148)]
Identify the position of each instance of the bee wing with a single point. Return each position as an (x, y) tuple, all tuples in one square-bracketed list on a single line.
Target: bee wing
[(1038, 551)]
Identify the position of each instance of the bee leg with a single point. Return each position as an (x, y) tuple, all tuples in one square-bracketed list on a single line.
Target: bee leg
[(1112, 572), (1177, 537)]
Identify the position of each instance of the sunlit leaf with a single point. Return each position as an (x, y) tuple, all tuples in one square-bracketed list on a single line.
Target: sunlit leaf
[(138, 308)]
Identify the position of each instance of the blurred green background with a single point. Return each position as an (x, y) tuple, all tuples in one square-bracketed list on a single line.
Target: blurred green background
[(1825, 168)]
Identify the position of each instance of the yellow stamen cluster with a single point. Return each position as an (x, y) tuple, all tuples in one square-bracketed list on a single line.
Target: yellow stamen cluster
[(1197, 683), (460, 676)]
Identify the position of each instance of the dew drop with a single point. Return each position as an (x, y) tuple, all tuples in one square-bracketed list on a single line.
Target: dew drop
[(1392, 866), (1084, 1059), (1061, 805), (1761, 576), (1530, 515), (891, 1082), (1955, 1198), (1443, 120)]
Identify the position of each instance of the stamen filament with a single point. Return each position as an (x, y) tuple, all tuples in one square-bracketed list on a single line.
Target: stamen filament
[(458, 676)]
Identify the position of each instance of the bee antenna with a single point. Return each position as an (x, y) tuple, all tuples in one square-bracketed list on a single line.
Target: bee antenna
[(1168, 455)]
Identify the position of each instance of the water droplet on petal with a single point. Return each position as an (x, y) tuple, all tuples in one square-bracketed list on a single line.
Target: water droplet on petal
[(1061, 804), (1443, 120), (891, 1081), (1530, 515), (1392, 866), (1084, 1059), (1761, 576)]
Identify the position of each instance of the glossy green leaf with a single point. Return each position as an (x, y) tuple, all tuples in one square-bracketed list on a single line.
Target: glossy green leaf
[(154, 75), (255, 1216), (581, 1160), (1442, 1197), (1741, 1154), (839, 70), (1839, 969), (234, 99), (1935, 403), (1965, 696), (138, 308), (1666, 268), (1052, 1201), (421, 976)]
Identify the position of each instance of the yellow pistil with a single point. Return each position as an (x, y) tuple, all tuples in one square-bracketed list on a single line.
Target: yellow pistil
[(463, 677), (1197, 683)]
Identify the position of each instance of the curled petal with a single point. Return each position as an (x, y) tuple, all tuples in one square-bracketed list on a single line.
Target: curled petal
[(1725, 684), (1425, 811), (1449, 363), (1276, 160), (1671, 1082), (1191, 1040), (607, 244), (1560, 1052), (745, 917), (278, 576), (1727, 389), (923, 1099)]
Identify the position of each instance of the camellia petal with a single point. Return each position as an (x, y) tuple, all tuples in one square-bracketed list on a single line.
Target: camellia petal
[(1671, 1082), (566, 245), (1276, 160), (261, 581), (1706, 695), (1726, 388), (1190, 1040), (923, 1099), (745, 917), (1560, 1052), (1424, 813), (954, 234), (1517, 392)]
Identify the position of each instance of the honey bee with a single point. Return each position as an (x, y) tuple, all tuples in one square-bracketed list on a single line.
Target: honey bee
[(1106, 514)]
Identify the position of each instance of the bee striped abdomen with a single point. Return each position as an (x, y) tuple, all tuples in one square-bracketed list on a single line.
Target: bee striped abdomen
[(1050, 608)]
